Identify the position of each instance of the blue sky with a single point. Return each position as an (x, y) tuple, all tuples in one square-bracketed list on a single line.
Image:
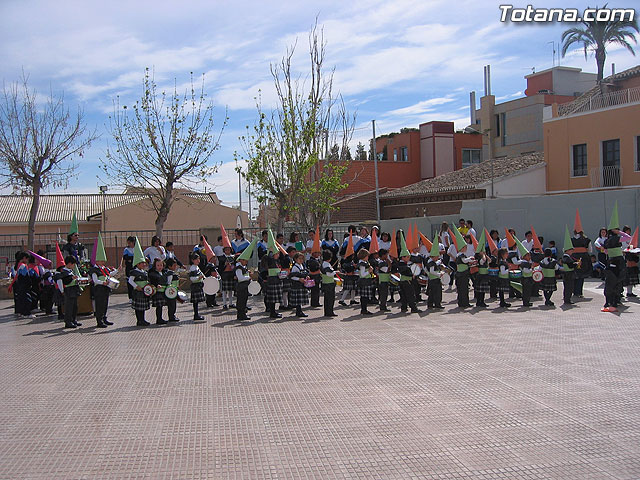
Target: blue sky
[(400, 62)]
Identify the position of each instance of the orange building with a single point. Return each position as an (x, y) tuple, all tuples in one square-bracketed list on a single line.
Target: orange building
[(594, 142)]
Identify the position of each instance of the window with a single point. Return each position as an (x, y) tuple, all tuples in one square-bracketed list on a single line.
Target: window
[(497, 125), (395, 154), (579, 160), (470, 156), (404, 154), (503, 128), (611, 163), (638, 153)]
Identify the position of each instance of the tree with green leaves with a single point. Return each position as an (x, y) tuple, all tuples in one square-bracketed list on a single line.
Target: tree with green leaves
[(596, 36), (38, 144), (361, 153), (163, 142), (287, 149)]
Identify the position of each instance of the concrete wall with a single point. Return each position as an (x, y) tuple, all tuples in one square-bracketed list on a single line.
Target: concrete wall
[(548, 214), (531, 182)]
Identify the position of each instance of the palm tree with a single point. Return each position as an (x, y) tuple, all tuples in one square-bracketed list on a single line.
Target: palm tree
[(596, 36)]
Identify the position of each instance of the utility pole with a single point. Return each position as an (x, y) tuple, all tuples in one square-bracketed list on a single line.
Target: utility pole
[(239, 190), (375, 169)]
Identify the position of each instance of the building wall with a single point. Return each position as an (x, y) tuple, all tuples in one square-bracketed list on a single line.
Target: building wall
[(437, 151), (360, 175), (464, 141), (359, 209), (530, 182), (592, 128)]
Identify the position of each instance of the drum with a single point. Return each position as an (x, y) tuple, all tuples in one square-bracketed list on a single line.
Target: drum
[(149, 290), (493, 272), (211, 285), (283, 274), (83, 281), (171, 292), (473, 270), (415, 269), (310, 283), (254, 287), (445, 278), (423, 280), (113, 283), (537, 274), (394, 279), (515, 273), (182, 297), (338, 281)]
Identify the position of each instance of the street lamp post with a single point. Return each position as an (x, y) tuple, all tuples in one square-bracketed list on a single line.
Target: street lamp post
[(103, 191)]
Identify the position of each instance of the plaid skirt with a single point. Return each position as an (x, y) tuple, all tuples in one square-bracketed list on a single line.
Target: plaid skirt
[(366, 289), (631, 278), (159, 299), (286, 284), (197, 294), (349, 283), (503, 285), (140, 301), (58, 298), (549, 284), (482, 284), (273, 291), (227, 284), (393, 288), (298, 297)]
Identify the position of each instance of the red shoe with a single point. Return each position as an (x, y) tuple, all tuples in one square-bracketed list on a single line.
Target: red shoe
[(605, 309)]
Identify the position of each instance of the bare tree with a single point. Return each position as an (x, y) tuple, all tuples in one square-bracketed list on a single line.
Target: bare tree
[(162, 142), (38, 143), (287, 151)]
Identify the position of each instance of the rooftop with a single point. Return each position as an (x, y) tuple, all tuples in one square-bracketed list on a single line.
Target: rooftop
[(470, 178), (59, 208)]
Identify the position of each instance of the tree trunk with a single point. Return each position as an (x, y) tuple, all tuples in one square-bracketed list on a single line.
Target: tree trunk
[(601, 56), (163, 211), (35, 204)]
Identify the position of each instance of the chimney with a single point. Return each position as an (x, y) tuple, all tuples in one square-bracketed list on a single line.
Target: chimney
[(472, 107), (489, 79), (613, 69), (485, 81)]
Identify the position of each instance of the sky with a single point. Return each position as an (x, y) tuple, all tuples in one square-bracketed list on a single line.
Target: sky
[(399, 62)]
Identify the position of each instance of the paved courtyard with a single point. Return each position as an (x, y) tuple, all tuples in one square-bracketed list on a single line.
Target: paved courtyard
[(543, 393)]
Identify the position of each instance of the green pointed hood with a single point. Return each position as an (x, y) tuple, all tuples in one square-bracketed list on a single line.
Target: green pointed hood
[(138, 256), (481, 242), (271, 242), (614, 222), (521, 248), (74, 225), (101, 255), (404, 251), (459, 239), (247, 252), (567, 240), (435, 248)]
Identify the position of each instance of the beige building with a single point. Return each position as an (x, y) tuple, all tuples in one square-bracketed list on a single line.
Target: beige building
[(593, 142)]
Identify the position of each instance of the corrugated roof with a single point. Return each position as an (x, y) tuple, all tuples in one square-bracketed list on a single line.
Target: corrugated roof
[(567, 108), (469, 178)]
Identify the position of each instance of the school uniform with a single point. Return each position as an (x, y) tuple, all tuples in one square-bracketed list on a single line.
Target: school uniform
[(47, 292), (407, 297), (140, 302), (393, 288), (526, 281), (71, 293), (613, 244), (58, 294), (434, 288), (273, 293), (549, 266), (333, 246), (602, 253), (101, 292), (227, 274), (172, 303), (21, 287), (504, 284), (161, 280), (415, 263), (481, 284), (34, 292), (313, 265), (462, 279), (243, 279), (349, 279), (631, 278), (285, 264), (382, 269), (238, 246), (196, 278), (210, 270), (581, 246), (127, 255), (328, 287), (298, 295), (366, 287), (569, 266)]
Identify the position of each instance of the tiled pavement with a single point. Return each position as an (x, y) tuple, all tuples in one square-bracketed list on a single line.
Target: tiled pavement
[(487, 395)]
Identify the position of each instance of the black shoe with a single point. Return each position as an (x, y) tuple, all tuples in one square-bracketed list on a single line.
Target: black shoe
[(174, 319), (439, 307), (70, 325), (629, 295), (143, 323), (225, 307), (161, 322), (366, 312), (281, 307), (248, 308), (343, 303), (464, 305), (568, 303), (315, 305), (106, 322), (481, 305), (243, 317), (550, 304), (415, 310), (354, 302), (101, 325), (385, 309), (505, 305), (78, 324), (275, 315), (232, 306), (332, 315), (527, 304), (199, 317), (301, 315), (403, 310)]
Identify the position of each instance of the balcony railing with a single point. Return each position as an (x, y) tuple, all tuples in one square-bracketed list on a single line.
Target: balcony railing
[(602, 100), (610, 176)]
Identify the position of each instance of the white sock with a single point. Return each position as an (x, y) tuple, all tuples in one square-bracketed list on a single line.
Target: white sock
[(285, 299)]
